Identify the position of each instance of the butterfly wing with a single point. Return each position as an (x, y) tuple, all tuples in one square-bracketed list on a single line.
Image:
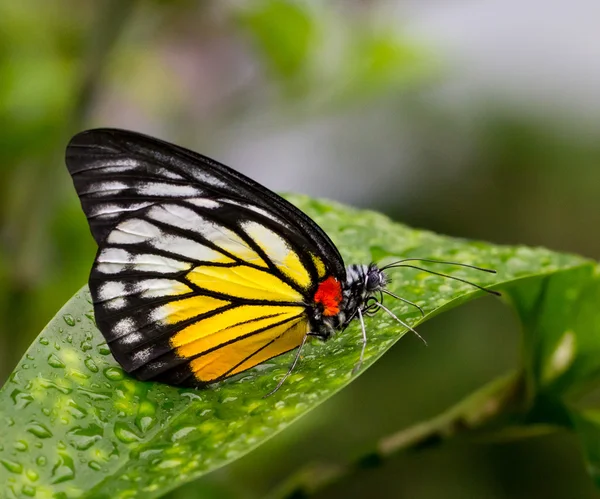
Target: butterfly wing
[(201, 273), (118, 171)]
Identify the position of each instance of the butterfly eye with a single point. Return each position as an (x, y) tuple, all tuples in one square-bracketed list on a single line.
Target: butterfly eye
[(373, 281)]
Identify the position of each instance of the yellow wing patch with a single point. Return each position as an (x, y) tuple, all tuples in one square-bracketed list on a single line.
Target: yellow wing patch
[(248, 352), (289, 340), (243, 282), (279, 252), (228, 325), (292, 267), (321, 270), (186, 308)]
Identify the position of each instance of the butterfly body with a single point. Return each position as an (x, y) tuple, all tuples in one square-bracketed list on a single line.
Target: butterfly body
[(201, 273), (362, 282)]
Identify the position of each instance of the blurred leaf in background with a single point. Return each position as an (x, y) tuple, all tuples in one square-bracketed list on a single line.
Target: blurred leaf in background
[(39, 79), (320, 58)]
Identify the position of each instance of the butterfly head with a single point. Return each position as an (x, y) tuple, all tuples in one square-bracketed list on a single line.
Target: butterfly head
[(363, 282), (375, 279), (363, 290), (362, 294), (337, 303)]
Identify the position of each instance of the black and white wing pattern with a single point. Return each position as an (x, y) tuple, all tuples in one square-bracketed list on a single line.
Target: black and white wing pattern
[(201, 273)]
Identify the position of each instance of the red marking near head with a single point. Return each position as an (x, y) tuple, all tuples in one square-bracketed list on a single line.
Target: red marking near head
[(329, 294)]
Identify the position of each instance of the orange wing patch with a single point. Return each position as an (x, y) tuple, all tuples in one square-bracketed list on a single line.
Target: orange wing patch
[(248, 352), (228, 325)]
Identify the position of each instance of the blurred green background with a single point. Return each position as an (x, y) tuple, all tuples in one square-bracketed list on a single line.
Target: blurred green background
[(475, 119)]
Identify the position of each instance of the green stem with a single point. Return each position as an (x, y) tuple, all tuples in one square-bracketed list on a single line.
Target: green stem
[(478, 410)]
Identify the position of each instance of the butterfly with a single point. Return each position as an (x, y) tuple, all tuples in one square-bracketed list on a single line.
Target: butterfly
[(202, 273)]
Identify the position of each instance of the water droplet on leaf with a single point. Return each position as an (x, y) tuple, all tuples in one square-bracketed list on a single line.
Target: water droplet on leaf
[(86, 345), (54, 361), (75, 410), (21, 445), (20, 398), (114, 373), (64, 469), (144, 422), (11, 466), (95, 465), (183, 432), (169, 463), (39, 430), (94, 395), (125, 434), (28, 490), (103, 349), (91, 365), (32, 475), (83, 438), (78, 374), (46, 383), (69, 320)]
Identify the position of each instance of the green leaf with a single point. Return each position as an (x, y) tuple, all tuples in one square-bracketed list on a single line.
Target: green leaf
[(587, 425), (77, 426), (561, 335), (561, 320)]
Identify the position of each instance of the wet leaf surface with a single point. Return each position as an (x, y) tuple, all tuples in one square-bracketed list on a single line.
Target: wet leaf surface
[(75, 425)]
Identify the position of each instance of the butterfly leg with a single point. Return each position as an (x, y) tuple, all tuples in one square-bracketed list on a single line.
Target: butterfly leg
[(401, 322), (296, 358), (364, 342)]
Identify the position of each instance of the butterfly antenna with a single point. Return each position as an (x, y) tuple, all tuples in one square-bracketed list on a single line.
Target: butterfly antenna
[(490, 291), (404, 300), (391, 314), (443, 262), (290, 369), (364, 342), (402, 263)]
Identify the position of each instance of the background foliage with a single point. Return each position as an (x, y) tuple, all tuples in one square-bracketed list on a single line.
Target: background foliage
[(344, 101)]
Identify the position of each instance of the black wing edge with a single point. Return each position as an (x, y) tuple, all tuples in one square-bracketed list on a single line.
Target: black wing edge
[(91, 151)]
